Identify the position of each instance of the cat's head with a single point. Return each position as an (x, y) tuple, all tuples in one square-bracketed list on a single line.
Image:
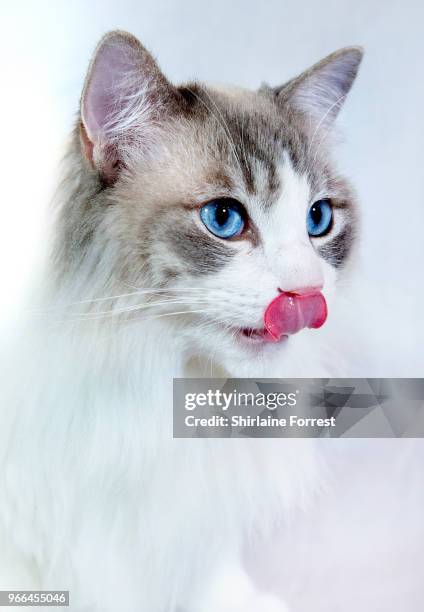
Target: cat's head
[(219, 199)]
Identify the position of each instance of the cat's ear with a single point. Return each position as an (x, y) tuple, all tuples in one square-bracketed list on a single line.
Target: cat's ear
[(124, 100), (320, 91)]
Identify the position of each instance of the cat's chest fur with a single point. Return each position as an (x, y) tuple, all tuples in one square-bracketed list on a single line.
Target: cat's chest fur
[(108, 426)]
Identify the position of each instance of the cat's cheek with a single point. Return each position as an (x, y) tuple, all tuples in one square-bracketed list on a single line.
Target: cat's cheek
[(330, 275), (244, 288)]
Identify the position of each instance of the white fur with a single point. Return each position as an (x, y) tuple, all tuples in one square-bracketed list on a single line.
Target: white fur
[(97, 492), (98, 496)]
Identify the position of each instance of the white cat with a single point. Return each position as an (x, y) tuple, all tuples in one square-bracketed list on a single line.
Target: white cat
[(185, 212)]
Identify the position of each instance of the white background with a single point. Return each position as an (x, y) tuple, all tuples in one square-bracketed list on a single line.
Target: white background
[(375, 565)]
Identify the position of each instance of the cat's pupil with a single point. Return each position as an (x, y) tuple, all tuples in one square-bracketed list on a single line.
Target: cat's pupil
[(316, 214), (222, 214)]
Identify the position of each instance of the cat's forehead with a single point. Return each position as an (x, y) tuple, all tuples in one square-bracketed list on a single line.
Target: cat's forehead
[(248, 137)]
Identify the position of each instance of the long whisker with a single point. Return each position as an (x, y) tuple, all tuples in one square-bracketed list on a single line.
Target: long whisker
[(221, 121), (243, 145), (320, 133), (127, 309), (139, 292), (323, 118), (231, 139), (172, 314)]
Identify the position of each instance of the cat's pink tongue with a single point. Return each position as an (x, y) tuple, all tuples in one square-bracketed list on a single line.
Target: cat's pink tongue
[(288, 313)]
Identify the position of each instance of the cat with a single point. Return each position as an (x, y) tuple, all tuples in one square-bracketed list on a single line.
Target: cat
[(184, 213)]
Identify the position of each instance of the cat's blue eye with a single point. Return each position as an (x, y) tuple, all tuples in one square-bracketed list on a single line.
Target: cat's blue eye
[(320, 217), (225, 218)]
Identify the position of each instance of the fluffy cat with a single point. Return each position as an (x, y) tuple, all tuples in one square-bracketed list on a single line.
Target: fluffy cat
[(184, 212)]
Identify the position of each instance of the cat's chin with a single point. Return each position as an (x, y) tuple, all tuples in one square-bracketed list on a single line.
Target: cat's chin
[(239, 352), (251, 359)]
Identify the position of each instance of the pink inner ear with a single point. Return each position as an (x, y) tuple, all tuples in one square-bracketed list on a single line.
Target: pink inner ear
[(105, 89), (123, 91)]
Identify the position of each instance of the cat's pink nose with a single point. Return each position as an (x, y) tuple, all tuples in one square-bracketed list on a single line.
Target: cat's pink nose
[(292, 311)]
